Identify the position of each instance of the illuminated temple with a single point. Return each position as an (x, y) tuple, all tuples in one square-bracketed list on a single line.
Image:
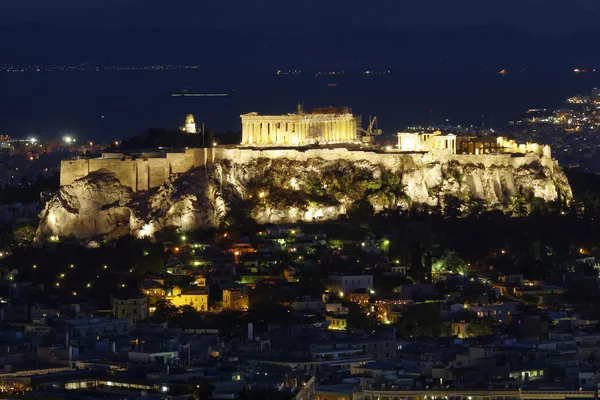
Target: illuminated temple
[(324, 125)]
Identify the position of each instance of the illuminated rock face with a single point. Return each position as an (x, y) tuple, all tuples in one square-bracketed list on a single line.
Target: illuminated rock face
[(284, 189)]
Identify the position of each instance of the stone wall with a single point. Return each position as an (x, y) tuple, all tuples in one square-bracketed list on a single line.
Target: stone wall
[(392, 160), (139, 174), (142, 174)]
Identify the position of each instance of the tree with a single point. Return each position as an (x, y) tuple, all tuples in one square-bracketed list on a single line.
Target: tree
[(165, 310), (453, 206), (187, 317), (450, 261), (518, 206), (423, 320), (358, 320), (481, 327), (361, 210), (24, 234), (475, 207)]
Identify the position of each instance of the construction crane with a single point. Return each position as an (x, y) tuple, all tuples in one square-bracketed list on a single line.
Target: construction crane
[(370, 133)]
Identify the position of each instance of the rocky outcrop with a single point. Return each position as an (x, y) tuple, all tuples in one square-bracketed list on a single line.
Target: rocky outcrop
[(288, 190)]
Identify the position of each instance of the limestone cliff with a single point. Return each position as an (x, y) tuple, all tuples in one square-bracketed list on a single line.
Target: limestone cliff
[(287, 189)]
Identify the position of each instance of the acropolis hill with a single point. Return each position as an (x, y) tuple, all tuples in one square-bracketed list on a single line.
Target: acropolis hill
[(294, 167)]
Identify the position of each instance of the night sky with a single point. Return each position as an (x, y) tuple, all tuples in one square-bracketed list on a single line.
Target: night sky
[(538, 16)]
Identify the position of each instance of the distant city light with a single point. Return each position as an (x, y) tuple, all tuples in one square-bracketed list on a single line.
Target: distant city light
[(68, 139)]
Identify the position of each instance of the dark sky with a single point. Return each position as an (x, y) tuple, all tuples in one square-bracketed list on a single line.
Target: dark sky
[(538, 16)]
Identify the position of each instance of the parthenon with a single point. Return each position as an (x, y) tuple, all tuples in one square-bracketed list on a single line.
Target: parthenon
[(325, 125)]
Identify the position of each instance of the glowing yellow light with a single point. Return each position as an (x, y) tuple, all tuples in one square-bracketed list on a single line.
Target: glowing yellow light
[(62, 275), (183, 237), (106, 267), (72, 266), (89, 285), (261, 194), (123, 285), (57, 284), (74, 293), (35, 266), (341, 294)]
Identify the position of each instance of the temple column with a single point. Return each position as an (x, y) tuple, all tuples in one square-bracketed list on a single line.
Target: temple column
[(327, 132), (348, 130), (272, 133), (303, 131), (284, 128), (265, 139), (306, 132), (292, 130), (332, 131), (251, 133), (261, 133), (338, 134), (299, 129), (336, 131)]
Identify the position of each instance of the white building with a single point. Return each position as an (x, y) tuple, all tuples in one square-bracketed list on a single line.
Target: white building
[(348, 283), (435, 141), (135, 309)]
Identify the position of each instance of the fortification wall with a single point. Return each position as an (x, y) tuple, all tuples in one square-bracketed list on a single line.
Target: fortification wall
[(138, 174), (158, 172), (124, 170), (392, 160), (144, 174), (71, 170)]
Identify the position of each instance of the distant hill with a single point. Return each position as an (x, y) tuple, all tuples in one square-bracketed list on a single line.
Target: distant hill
[(493, 46)]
